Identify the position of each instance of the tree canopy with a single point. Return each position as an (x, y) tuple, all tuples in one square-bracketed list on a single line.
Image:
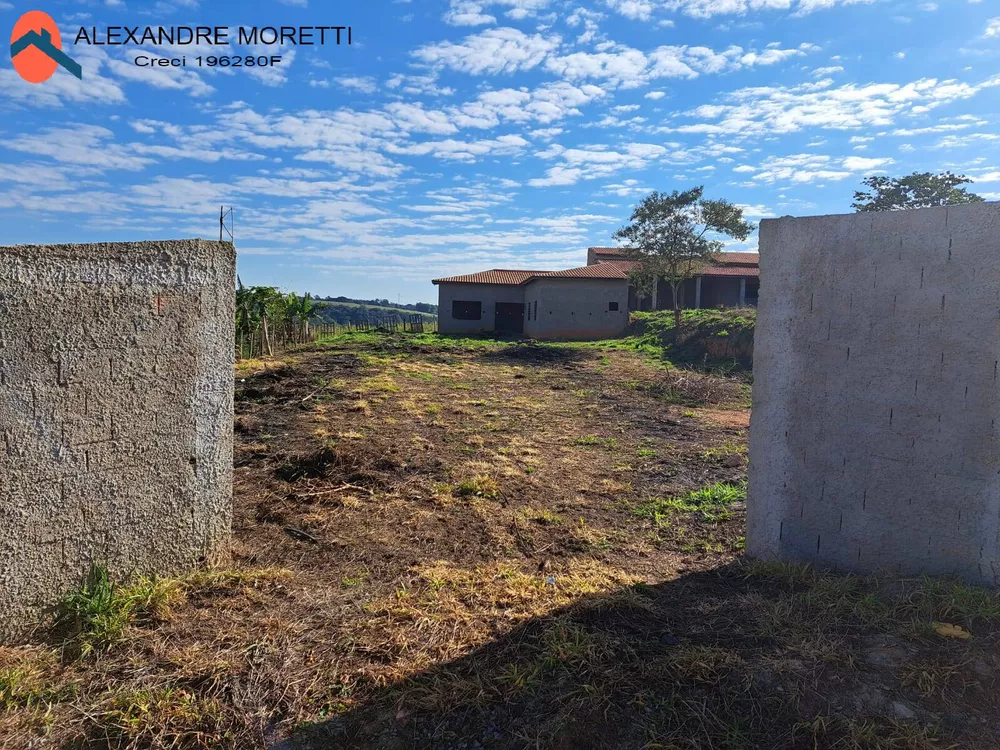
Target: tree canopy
[(671, 235), (918, 190)]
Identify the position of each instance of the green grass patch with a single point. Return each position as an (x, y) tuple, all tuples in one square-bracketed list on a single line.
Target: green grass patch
[(702, 335), (481, 485), (594, 440), (711, 501), (27, 687), (96, 616)]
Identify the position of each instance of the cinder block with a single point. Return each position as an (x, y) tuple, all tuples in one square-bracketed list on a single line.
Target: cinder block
[(893, 409), (115, 414)]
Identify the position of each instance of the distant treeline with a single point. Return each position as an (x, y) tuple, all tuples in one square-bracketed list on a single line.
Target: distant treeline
[(352, 313), (424, 307)]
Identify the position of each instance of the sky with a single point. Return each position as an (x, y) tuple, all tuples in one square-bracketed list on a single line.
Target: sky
[(454, 136)]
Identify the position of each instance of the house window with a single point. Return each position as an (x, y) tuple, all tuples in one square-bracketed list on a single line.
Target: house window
[(529, 311), (613, 306), (536, 309), (466, 310)]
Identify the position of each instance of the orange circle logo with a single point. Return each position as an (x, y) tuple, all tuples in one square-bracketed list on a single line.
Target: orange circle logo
[(32, 32)]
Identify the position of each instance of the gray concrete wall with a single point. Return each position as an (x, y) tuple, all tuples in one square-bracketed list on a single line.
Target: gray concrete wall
[(876, 405), (116, 413), (488, 294), (576, 308)]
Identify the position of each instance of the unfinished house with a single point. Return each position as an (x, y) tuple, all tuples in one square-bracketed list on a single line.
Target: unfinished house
[(733, 280), (580, 303), (590, 302)]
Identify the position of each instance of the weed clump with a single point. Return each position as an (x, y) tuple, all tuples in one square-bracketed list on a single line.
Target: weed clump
[(481, 485), (712, 501), (96, 616)]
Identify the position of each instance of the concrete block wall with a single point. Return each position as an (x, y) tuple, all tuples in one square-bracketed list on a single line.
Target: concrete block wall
[(576, 308), (116, 411), (488, 294), (876, 406)]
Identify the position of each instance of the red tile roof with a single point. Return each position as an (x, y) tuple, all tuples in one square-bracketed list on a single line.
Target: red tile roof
[(731, 271), (612, 270), (747, 259), (726, 270), (611, 266), (493, 276)]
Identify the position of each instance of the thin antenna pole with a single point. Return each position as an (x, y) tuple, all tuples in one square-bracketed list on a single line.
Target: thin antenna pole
[(223, 229)]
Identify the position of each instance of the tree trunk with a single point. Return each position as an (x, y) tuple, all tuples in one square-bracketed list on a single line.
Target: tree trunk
[(677, 307), (267, 339)]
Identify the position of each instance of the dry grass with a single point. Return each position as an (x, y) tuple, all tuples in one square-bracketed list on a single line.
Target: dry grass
[(445, 543)]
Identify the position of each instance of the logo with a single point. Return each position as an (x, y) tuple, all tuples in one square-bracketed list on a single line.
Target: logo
[(36, 48)]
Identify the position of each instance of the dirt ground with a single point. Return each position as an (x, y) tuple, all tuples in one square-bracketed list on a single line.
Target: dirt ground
[(469, 544)]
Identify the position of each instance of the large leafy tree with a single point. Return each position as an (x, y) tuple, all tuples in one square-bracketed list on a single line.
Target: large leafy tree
[(918, 190), (673, 235)]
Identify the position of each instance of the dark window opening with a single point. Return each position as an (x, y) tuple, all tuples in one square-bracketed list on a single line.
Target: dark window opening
[(466, 310), (536, 309), (613, 306)]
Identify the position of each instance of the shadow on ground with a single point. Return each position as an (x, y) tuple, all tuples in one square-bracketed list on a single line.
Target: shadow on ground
[(531, 353), (704, 661)]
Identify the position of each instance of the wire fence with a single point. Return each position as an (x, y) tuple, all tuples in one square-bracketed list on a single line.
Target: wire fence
[(270, 338)]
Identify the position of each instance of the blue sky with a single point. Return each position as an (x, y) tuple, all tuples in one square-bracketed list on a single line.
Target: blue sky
[(458, 135)]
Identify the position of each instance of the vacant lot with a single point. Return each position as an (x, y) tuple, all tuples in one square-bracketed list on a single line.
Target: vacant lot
[(450, 543)]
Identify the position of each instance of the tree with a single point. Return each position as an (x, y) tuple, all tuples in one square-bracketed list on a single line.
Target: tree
[(301, 309), (918, 190), (254, 305), (671, 236)]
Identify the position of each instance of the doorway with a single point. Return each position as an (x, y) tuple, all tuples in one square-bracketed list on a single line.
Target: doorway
[(509, 317)]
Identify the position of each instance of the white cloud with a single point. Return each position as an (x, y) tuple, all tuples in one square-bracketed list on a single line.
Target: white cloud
[(809, 168), (711, 8), (640, 10), (467, 151), (827, 71), (467, 14), (418, 85), (80, 145), (474, 12), (622, 66), (992, 28), (63, 87), (788, 109), (861, 164), (415, 117), (364, 84), (654, 95), (591, 162), (504, 50)]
